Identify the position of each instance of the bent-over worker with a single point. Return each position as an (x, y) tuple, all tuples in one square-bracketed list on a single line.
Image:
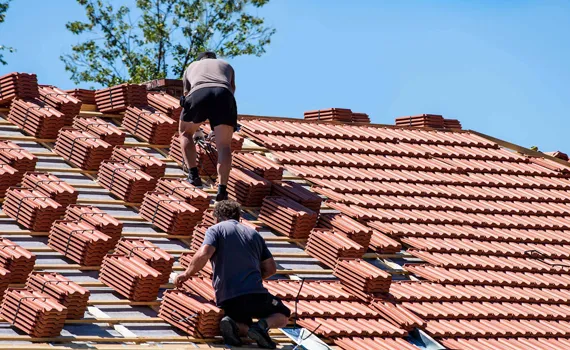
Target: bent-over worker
[(240, 262), (209, 87)]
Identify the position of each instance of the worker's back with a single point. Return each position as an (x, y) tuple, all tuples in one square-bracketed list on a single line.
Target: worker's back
[(236, 261), (208, 73)]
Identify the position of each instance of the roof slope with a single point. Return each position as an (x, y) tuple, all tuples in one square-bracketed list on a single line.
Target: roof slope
[(490, 225)]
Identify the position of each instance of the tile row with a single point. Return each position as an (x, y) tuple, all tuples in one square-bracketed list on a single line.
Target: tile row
[(488, 277), (97, 218), (488, 248), (330, 114), (377, 343), (488, 310), (287, 217), (31, 209), (125, 181), (328, 246), (497, 328), (140, 159), (366, 177), (518, 343), (259, 164), (83, 149), (538, 236), (151, 254), (499, 263), (438, 217), (86, 96), (425, 291), (362, 278), (17, 260), (391, 201), (165, 104), (340, 327), (131, 277), (254, 127)]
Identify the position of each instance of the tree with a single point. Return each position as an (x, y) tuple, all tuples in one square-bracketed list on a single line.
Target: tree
[(4, 4), (164, 39)]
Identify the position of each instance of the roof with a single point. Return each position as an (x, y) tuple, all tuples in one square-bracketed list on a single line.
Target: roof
[(422, 235)]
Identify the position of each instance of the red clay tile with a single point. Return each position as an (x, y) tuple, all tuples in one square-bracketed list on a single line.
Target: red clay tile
[(151, 254), (247, 187), (118, 98), (84, 95), (97, 218), (358, 343), (287, 217), (81, 148), (36, 118), (66, 292), (19, 261), (131, 277), (139, 158), (149, 125), (61, 101), (31, 208), (51, 186), (182, 189), (170, 213), (102, 129), (165, 104), (259, 164), (125, 181)]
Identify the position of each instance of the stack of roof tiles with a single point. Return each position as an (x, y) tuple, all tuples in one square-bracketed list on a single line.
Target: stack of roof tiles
[(170, 213), (82, 149), (237, 140), (192, 314), (21, 85), (152, 255), (36, 118), (298, 193), (102, 129), (97, 218), (31, 209), (66, 292), (149, 125), (19, 261), (328, 246), (51, 186), (165, 104), (118, 98), (198, 236), (131, 277), (287, 217), (84, 95), (259, 164), (9, 177), (14, 163), (201, 286), (182, 189), (186, 257), (125, 181), (207, 157), (79, 242), (37, 314), (140, 159), (353, 229), (422, 121), (360, 118), (172, 87), (60, 100), (331, 114), (247, 187), (4, 281), (362, 278), (451, 124)]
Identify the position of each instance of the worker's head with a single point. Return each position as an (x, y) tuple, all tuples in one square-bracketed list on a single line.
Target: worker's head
[(206, 54), (227, 210)]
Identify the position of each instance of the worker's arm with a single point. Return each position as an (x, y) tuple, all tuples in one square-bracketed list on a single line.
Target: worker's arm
[(268, 268), (186, 82), (199, 260), (233, 83)]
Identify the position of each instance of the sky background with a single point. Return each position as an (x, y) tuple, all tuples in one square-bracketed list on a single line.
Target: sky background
[(501, 67)]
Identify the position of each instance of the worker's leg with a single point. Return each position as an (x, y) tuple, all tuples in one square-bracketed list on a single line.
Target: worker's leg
[(187, 130), (277, 320), (243, 328), (223, 135)]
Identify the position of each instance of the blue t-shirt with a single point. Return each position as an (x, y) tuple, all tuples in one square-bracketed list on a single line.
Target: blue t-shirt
[(236, 264)]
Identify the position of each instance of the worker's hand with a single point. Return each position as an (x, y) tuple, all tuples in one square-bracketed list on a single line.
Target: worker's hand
[(198, 136), (211, 137), (180, 279)]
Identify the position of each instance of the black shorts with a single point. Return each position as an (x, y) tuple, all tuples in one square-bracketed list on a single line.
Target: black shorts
[(216, 104), (245, 307)]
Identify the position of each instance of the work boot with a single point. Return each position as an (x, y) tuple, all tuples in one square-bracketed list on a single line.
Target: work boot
[(259, 333), (222, 193), (230, 331), (194, 177)]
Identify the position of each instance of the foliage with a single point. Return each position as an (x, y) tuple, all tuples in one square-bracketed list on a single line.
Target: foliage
[(4, 4), (165, 38)]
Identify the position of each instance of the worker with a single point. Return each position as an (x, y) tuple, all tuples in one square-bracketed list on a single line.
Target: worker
[(240, 261), (209, 87)]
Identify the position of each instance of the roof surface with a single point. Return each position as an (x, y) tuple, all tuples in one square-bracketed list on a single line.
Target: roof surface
[(442, 234)]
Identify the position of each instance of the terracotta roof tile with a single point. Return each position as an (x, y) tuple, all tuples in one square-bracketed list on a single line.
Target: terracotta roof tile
[(358, 343), (60, 100), (338, 327), (126, 181), (21, 85)]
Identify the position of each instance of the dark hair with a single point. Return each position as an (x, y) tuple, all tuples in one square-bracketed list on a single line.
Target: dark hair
[(227, 210), (206, 54)]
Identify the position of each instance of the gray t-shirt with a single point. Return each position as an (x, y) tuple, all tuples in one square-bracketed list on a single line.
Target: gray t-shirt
[(209, 72), (237, 261)]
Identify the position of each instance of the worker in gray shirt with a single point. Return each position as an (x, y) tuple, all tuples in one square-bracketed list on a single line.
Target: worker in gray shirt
[(209, 87), (240, 262)]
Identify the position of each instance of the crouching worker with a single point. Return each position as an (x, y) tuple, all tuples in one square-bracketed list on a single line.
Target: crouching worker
[(240, 262)]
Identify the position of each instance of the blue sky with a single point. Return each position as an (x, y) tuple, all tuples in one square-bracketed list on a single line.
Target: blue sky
[(501, 67)]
